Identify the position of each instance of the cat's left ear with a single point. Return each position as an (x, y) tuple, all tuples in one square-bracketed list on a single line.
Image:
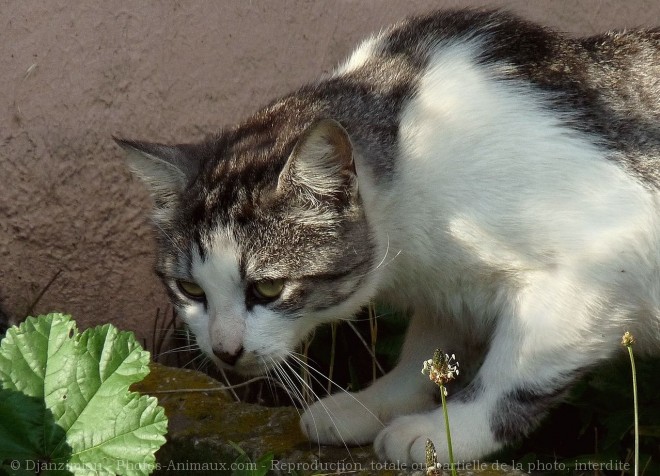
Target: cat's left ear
[(165, 170), (321, 164)]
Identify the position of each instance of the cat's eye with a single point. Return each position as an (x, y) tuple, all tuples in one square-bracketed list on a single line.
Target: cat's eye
[(192, 290), (268, 289)]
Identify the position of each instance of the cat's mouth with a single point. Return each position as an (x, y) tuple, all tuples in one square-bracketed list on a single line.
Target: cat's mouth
[(249, 364)]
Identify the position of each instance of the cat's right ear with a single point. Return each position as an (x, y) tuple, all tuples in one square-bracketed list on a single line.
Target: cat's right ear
[(165, 170), (321, 165)]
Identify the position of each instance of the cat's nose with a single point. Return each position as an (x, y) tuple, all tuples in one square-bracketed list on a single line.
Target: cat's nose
[(229, 358)]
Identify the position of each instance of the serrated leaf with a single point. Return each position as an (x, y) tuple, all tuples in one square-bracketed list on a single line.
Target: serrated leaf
[(88, 416)]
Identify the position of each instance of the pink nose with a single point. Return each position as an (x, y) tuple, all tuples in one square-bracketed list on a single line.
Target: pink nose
[(228, 358)]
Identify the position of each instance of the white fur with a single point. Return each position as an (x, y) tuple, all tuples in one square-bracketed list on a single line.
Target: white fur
[(507, 225), (367, 49)]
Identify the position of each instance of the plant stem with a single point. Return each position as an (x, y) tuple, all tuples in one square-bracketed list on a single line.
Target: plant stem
[(449, 447), (333, 346), (373, 328), (634, 382)]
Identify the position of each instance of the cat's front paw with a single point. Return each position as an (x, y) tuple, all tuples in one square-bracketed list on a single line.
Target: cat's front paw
[(404, 440), (341, 419)]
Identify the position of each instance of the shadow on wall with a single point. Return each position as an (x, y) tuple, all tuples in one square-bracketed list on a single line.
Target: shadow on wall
[(4, 321), (8, 319)]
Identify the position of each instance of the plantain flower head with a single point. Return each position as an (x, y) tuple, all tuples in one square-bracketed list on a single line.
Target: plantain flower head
[(628, 339), (441, 369)]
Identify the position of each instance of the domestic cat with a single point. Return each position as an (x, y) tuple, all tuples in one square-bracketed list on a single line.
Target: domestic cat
[(495, 179)]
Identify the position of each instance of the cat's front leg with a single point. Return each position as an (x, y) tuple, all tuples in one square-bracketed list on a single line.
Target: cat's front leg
[(537, 352), (356, 418)]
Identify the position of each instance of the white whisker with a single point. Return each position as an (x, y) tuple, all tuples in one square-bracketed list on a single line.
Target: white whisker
[(387, 250), (181, 349), (320, 401), (212, 389), (366, 346), (228, 384), (300, 399), (290, 389), (301, 362), (271, 378), (200, 358), (382, 261)]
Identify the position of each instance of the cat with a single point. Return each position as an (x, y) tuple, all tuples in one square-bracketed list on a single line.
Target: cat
[(491, 177)]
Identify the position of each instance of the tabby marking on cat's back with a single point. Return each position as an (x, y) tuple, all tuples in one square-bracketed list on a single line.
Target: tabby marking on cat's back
[(490, 176)]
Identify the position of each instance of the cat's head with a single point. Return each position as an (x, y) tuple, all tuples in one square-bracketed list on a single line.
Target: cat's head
[(262, 236)]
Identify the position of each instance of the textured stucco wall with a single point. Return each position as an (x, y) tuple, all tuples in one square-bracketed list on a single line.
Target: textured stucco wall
[(75, 72)]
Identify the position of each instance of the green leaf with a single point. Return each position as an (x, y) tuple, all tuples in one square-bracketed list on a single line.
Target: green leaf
[(264, 464), (76, 388), (19, 414), (261, 467)]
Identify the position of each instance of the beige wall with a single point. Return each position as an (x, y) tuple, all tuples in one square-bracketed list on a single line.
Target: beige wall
[(75, 72)]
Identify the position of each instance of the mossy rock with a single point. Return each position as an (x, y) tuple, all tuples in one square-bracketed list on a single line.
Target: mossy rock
[(205, 424)]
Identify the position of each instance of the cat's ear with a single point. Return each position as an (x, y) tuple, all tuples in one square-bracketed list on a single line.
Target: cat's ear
[(165, 170), (321, 164)]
